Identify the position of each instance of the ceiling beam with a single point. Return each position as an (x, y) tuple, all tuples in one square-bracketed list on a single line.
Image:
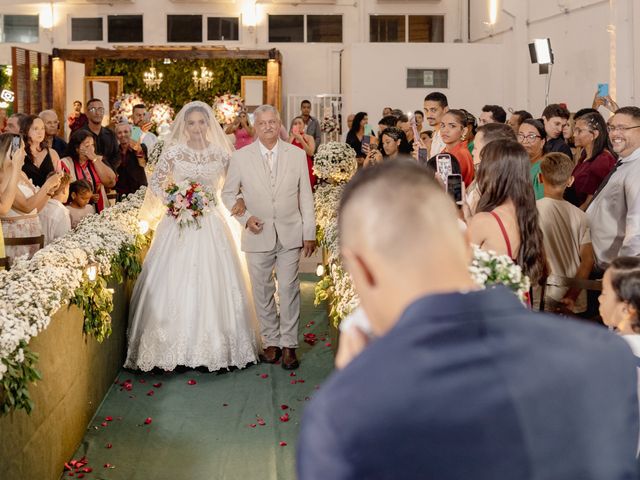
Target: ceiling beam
[(142, 53)]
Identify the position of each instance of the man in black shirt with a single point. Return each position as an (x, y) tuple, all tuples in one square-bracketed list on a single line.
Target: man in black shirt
[(555, 117), (51, 128), (106, 142)]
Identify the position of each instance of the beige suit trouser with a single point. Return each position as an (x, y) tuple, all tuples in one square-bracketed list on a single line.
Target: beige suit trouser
[(285, 262)]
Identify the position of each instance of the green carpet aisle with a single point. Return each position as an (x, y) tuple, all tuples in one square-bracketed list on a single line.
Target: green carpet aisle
[(208, 426)]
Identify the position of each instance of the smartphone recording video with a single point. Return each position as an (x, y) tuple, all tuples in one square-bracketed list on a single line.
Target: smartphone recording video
[(454, 187)]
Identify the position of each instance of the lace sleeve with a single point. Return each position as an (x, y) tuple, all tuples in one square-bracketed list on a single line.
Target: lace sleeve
[(162, 173)]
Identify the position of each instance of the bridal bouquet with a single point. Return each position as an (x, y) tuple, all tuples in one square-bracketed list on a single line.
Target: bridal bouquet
[(187, 201)]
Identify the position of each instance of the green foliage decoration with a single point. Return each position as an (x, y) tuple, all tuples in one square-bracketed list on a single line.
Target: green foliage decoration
[(14, 390)]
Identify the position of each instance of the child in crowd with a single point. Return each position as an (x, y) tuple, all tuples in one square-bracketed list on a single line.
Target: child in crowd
[(80, 192), (566, 235), (54, 217)]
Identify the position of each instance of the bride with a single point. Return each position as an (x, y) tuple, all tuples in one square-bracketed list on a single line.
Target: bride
[(190, 305)]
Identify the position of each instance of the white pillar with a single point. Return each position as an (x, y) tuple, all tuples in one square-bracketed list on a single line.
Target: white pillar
[(622, 52)]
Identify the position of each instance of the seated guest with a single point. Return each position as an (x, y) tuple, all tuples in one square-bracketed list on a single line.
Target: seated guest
[(305, 142), (54, 217), (51, 129), (595, 160), (77, 119), (356, 134), (492, 114), (614, 212), (453, 131), (394, 146), (461, 383), (532, 137), (555, 117), (565, 234), (133, 159), (11, 163), (82, 163), (41, 160), (516, 119), (80, 193), (506, 219)]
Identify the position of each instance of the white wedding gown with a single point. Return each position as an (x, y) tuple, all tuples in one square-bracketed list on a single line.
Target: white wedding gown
[(190, 305)]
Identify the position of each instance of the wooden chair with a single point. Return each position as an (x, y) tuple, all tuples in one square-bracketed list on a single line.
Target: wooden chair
[(4, 263), (24, 241), (566, 282), (112, 197)]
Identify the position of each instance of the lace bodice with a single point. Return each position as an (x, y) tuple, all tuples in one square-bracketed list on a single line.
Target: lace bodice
[(179, 162)]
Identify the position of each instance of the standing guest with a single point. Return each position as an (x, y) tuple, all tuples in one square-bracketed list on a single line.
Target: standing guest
[(311, 125), (386, 111), (242, 130), (394, 146), (614, 212), (386, 122), (77, 119), (14, 123), (133, 159), (506, 219), (404, 124), (565, 233), (54, 217), (595, 162), (80, 194), (304, 141), (516, 119), (51, 128), (492, 114), (462, 383), (396, 112), (555, 118), (350, 118), (532, 136), (453, 131), (41, 160), (141, 131), (472, 128), (418, 116), (435, 106), (105, 141), (356, 134), (82, 162)]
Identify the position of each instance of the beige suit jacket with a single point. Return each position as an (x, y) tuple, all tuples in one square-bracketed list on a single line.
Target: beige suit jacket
[(286, 210)]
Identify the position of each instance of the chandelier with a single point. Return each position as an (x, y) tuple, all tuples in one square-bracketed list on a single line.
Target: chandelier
[(152, 79), (204, 80)]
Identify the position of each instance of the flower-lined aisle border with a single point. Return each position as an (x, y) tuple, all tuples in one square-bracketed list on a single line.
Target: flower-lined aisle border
[(73, 269)]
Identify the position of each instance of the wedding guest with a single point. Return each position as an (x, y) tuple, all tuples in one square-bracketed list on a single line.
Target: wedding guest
[(565, 233), (142, 125), (80, 193), (77, 119), (485, 135), (453, 131), (82, 162), (595, 160), (51, 128), (472, 127), (105, 142), (532, 136), (386, 122), (435, 106), (555, 116), (394, 146), (304, 141), (133, 158), (506, 219), (10, 172), (418, 116), (461, 383), (516, 119), (41, 160), (404, 124), (386, 111), (54, 217), (14, 122), (311, 125), (350, 118), (356, 134), (492, 114), (242, 130), (614, 212)]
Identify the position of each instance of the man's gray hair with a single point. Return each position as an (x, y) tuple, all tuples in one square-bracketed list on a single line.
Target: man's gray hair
[(44, 113), (266, 108)]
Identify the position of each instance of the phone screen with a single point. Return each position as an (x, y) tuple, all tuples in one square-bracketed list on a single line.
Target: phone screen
[(443, 164), (423, 156), (366, 140), (15, 145), (414, 127), (368, 130), (603, 89), (454, 187)]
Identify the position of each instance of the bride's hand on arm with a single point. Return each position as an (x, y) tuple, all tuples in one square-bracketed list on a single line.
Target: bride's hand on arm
[(239, 208)]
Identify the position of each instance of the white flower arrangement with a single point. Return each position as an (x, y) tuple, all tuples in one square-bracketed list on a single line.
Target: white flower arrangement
[(227, 107), (154, 156), (33, 290), (329, 124), (488, 269), (335, 162), (162, 116), (123, 107)]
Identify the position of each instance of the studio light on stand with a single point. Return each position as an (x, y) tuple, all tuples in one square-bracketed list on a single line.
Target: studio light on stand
[(542, 54)]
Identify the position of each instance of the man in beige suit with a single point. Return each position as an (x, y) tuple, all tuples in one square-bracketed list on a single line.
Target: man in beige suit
[(273, 179)]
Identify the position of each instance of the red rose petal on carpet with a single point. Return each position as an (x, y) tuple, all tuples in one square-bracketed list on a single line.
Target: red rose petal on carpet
[(109, 419), (261, 422), (104, 424), (283, 444), (108, 445), (192, 382), (150, 393), (264, 375), (148, 421), (284, 418), (252, 425), (157, 385), (284, 407)]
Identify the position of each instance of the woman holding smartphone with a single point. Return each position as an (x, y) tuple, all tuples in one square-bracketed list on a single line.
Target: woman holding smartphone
[(356, 136), (454, 130), (306, 142), (394, 144), (12, 160), (242, 130)]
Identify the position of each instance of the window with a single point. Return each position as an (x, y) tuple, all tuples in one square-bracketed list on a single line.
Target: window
[(324, 28), (124, 28), (20, 28), (86, 29), (184, 28), (426, 28), (387, 28), (222, 28), (286, 28), (427, 78)]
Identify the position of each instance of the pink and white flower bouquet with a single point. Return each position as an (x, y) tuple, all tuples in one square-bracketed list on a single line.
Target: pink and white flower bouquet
[(187, 201)]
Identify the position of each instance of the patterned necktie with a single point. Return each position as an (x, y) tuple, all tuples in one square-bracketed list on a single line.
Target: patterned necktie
[(606, 180), (270, 160)]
